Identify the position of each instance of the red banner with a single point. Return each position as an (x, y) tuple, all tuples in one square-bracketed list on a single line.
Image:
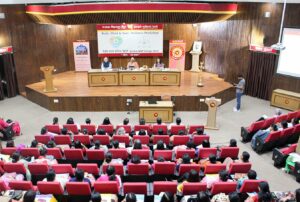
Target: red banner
[(129, 26), (263, 49), (7, 49), (177, 54)]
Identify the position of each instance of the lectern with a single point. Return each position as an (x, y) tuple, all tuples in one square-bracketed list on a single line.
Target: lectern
[(195, 61), (212, 104), (48, 78)]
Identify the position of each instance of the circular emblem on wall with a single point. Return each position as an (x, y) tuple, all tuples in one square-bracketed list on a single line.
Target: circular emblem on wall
[(212, 105), (165, 77), (177, 52), (155, 114), (102, 78), (286, 101), (133, 78)]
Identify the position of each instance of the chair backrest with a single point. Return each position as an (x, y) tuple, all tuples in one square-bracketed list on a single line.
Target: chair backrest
[(142, 127), (142, 153), (25, 152), (127, 128), (89, 127), (104, 139), (164, 168), (119, 153), (106, 128), (50, 188), (231, 152), (273, 136), (8, 150), (20, 185), (290, 149), (250, 186), (180, 140), (268, 122), (176, 128), (183, 168), (164, 186), (256, 126), (53, 128), (223, 187), (138, 169), (164, 138), (91, 168), (167, 154), (119, 168), (84, 139), (181, 152), (14, 167), (287, 132), (156, 127), (291, 115), (296, 129), (3, 186), (44, 139), (214, 168), (135, 187), (95, 154), (71, 127), (193, 128), (63, 168), (122, 139), (281, 118), (190, 188), (205, 152), (108, 187), (55, 152), (78, 188), (143, 138), (62, 139), (38, 168), (239, 168), (198, 139), (73, 154)]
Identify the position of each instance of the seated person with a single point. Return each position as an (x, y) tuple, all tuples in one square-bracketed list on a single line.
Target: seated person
[(71, 122), (158, 64), (55, 121), (159, 146), (177, 123), (97, 145), (212, 159), (180, 132), (43, 158), (10, 143), (186, 159), (132, 64), (198, 131), (110, 176), (130, 197), (244, 158), (167, 197), (263, 194), (192, 176), (108, 159), (251, 175), (136, 145), (137, 160), (126, 121), (142, 121), (80, 177), (159, 121), (100, 132), (263, 134), (61, 178), (44, 131), (232, 143), (189, 145), (8, 128), (106, 65), (78, 145), (231, 197), (142, 132), (210, 179), (121, 131), (106, 121)]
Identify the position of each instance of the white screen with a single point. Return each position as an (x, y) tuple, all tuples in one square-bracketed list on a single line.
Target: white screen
[(289, 59)]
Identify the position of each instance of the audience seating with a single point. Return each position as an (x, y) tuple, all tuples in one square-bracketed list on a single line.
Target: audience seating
[(223, 187), (156, 127), (62, 139), (44, 139), (164, 138), (250, 186), (127, 128), (78, 188), (119, 168), (268, 122), (285, 135), (142, 127), (50, 188), (193, 128), (181, 152), (145, 139), (164, 168), (166, 154), (104, 139), (108, 187), (97, 154), (280, 155), (138, 169), (107, 128), (198, 139), (84, 139), (26, 152), (38, 168), (231, 152), (21, 185), (71, 127), (214, 168), (73, 154), (165, 186), (3, 186), (137, 188), (55, 152), (180, 140), (248, 132), (281, 118), (89, 127), (122, 139), (63, 168), (295, 136), (239, 168), (91, 168), (183, 168), (176, 128), (205, 152), (142, 153), (14, 167), (119, 153), (269, 143), (190, 188), (291, 115), (8, 150), (53, 128)]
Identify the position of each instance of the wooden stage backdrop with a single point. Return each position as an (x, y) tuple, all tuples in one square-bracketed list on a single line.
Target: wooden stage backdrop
[(74, 94)]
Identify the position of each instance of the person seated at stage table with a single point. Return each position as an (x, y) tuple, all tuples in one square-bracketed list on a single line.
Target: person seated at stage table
[(132, 63), (158, 64), (106, 64)]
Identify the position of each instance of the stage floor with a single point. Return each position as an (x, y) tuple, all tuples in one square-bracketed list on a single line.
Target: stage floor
[(74, 94)]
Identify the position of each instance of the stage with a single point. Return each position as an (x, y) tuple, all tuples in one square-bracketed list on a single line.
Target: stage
[(74, 94)]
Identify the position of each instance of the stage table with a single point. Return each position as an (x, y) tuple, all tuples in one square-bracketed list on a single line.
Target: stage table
[(162, 109), (133, 78), (170, 77), (97, 77)]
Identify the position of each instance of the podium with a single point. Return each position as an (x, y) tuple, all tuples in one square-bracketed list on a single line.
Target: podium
[(212, 104), (47, 70), (195, 61)]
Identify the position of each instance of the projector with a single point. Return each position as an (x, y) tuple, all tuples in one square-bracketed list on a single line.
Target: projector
[(278, 46)]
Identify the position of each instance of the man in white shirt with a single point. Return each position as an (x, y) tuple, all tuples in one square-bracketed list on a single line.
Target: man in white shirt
[(239, 92)]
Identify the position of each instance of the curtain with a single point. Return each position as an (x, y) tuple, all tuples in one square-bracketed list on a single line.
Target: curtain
[(260, 73), (9, 86)]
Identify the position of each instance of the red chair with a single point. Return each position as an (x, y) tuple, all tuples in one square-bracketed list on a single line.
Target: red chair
[(8, 150), (193, 128), (166, 154), (285, 135), (142, 127), (248, 132), (71, 127), (73, 154), (231, 152), (38, 168), (53, 128), (108, 187), (190, 188), (250, 186), (156, 127), (223, 187), (142, 153), (122, 139), (176, 128), (97, 154), (62, 139), (55, 152), (14, 167), (90, 128), (89, 168), (21, 185), (78, 188), (294, 138), (281, 118), (107, 128), (269, 143), (63, 168), (138, 169), (44, 139), (164, 168), (135, 187), (127, 128), (164, 186), (50, 188), (180, 140), (205, 152), (119, 153), (198, 139), (268, 122), (143, 138), (84, 139), (181, 152), (3, 186), (25, 152), (183, 168), (119, 168), (239, 168), (214, 168), (164, 138), (104, 139)]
